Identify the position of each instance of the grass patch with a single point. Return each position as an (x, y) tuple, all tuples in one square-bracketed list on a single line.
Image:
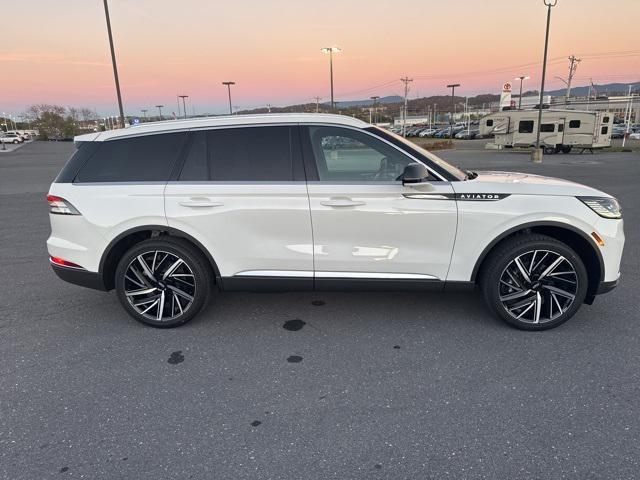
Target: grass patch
[(432, 143)]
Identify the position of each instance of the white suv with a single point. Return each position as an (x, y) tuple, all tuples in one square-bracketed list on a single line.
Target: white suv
[(165, 212)]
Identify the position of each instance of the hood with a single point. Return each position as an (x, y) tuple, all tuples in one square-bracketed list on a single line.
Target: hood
[(524, 184)]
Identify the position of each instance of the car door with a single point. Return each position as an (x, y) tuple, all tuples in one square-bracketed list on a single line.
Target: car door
[(241, 192), (367, 226)]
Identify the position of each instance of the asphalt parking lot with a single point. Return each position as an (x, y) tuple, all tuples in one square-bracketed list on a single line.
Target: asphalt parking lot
[(389, 386)]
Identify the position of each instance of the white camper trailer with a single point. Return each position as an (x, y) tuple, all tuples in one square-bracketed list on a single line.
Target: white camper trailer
[(561, 130)]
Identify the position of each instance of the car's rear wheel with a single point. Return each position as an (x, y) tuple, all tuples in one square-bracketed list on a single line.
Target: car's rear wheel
[(534, 282), (163, 282)]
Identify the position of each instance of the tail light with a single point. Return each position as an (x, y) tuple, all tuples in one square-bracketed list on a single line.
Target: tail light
[(60, 206)]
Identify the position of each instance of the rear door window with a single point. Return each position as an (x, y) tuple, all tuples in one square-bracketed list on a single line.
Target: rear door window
[(245, 154), (148, 158)]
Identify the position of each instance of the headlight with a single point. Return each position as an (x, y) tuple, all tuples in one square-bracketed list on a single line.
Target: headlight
[(603, 206)]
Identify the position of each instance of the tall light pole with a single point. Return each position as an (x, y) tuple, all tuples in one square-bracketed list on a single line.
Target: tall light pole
[(330, 51), (375, 109), (144, 112), (452, 86), (536, 155), (228, 84), (183, 104), (113, 61), (159, 107), (521, 78)]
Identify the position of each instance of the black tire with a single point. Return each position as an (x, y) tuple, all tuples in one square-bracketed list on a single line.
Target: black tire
[(566, 148), (194, 269), (549, 150), (540, 248), (16, 141)]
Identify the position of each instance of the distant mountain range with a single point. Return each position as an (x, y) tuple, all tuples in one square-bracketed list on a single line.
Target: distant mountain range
[(359, 103), (601, 89), (582, 91)]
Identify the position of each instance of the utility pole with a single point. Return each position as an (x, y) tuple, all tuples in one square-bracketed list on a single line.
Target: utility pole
[(183, 105), (317, 104), (406, 81), (375, 108), (536, 155), (573, 65), (159, 107), (330, 51), (452, 86), (144, 113), (228, 84), (113, 61)]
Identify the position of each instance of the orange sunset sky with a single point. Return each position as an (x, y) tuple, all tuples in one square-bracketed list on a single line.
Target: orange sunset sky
[(57, 52)]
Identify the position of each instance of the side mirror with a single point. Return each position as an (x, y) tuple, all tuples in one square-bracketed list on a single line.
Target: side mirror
[(414, 173)]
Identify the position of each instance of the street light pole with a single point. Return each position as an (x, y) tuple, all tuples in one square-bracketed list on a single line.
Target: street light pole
[(228, 84), (159, 107), (536, 156), (183, 104), (144, 112), (521, 78), (113, 61), (330, 51), (453, 103)]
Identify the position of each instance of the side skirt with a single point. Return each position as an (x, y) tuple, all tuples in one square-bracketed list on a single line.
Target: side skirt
[(247, 283)]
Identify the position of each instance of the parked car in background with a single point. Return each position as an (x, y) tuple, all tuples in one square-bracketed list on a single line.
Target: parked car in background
[(467, 134), (427, 132), (617, 132), (12, 137)]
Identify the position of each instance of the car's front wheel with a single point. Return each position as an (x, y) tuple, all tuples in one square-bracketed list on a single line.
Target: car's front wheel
[(163, 282), (534, 282)]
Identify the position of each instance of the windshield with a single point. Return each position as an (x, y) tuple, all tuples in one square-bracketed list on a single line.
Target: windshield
[(454, 171)]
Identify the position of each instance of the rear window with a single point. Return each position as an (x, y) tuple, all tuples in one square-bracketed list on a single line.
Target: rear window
[(605, 119), (148, 158)]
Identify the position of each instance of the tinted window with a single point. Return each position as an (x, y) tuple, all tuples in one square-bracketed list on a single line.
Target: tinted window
[(605, 119), (574, 124), (547, 127), (604, 130), (240, 154), (343, 154), (148, 158), (77, 160), (525, 126), (490, 123)]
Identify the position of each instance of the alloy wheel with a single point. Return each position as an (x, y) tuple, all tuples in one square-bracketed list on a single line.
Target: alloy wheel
[(538, 286), (159, 285)]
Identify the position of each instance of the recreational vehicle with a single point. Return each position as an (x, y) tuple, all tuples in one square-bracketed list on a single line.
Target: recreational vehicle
[(561, 130)]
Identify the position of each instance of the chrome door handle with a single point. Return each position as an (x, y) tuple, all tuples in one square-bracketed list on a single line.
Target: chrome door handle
[(341, 202), (200, 204)]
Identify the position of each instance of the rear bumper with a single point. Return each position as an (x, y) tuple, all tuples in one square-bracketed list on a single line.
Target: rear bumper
[(606, 287), (80, 277)]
